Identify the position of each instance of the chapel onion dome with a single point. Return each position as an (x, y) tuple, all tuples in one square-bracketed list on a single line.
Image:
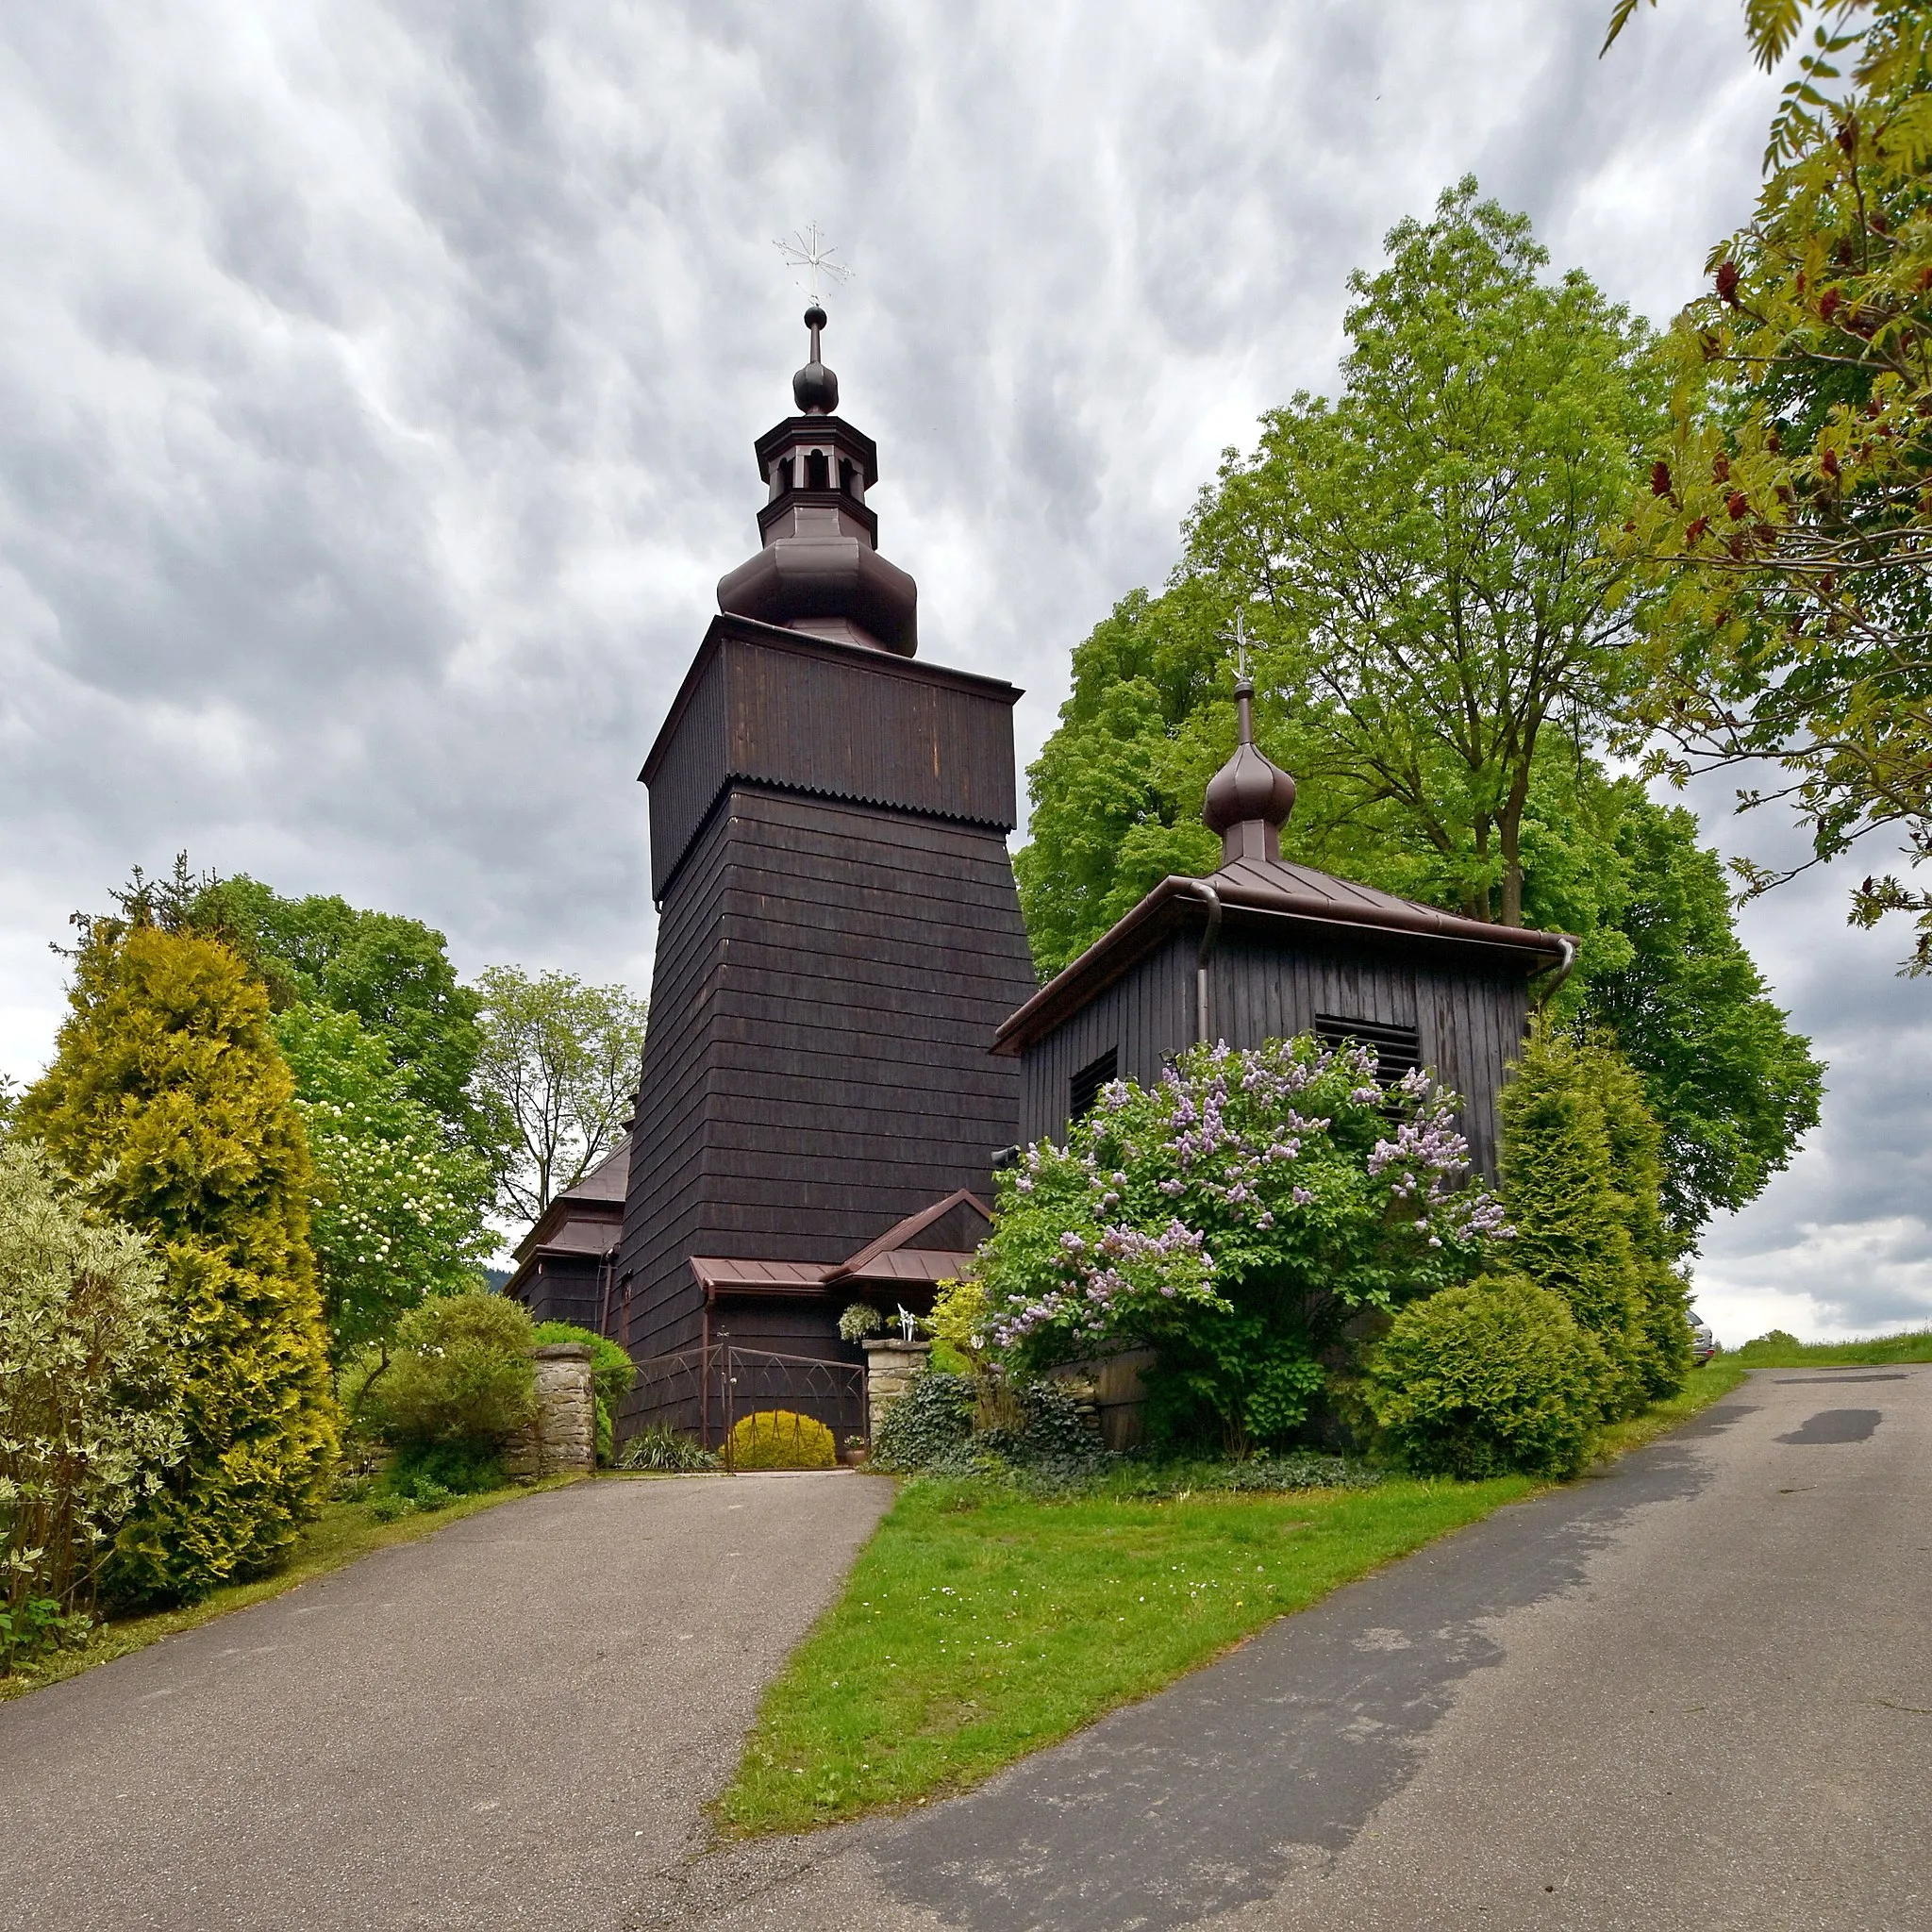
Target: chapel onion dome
[(1250, 797), (820, 569)]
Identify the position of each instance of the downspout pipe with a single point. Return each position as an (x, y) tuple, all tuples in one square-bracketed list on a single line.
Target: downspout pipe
[(1201, 890), (1563, 970)]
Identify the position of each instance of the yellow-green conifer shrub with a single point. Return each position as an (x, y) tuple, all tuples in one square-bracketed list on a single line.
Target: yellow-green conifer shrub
[(170, 1101), (778, 1439)]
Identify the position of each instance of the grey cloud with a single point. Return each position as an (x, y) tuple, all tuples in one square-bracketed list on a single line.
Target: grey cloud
[(379, 381)]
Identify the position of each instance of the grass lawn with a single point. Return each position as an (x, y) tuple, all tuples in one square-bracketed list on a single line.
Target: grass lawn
[(1781, 1352), (980, 1625), (342, 1533)]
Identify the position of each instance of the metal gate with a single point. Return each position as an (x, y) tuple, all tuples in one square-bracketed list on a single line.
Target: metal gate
[(707, 1389)]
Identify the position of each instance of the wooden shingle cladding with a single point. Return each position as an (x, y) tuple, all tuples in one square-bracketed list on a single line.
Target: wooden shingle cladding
[(839, 940), (1284, 958), (772, 707), (561, 1273)]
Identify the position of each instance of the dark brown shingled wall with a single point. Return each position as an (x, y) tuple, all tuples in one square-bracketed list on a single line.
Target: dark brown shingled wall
[(830, 974)]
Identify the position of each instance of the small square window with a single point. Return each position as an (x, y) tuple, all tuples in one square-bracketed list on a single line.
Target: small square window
[(1083, 1089)]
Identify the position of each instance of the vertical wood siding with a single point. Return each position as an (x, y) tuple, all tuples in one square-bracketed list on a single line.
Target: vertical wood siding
[(810, 716), (1262, 987)]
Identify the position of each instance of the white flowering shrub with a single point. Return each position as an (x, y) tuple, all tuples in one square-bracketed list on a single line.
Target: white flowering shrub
[(1237, 1216), (89, 1406), (399, 1204)]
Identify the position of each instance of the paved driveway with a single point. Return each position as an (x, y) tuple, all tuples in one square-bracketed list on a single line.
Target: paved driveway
[(1695, 1692), (513, 1723)]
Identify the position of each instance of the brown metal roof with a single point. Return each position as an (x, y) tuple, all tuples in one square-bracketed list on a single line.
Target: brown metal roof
[(1272, 891), (870, 1260), (724, 1274)]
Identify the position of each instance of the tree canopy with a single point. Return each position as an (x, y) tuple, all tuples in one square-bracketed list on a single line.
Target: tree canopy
[(558, 1075), (1420, 554)]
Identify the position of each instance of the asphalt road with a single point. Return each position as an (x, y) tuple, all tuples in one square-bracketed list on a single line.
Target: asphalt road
[(1692, 1691), (512, 1723)]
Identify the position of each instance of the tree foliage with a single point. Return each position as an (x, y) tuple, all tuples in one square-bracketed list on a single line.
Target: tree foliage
[(1420, 554), (1788, 511), (1237, 1216), (89, 1404), (559, 1073), (399, 1204), (169, 1100)]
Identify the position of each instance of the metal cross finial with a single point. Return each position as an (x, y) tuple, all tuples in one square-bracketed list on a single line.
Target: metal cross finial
[(809, 250), (1241, 644)]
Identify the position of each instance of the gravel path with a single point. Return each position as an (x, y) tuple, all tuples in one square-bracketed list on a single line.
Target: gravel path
[(515, 1721)]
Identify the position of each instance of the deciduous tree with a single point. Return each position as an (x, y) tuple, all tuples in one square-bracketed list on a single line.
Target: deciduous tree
[(558, 1071)]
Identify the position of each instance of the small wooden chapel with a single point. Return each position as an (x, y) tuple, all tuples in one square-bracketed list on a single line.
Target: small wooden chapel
[(846, 1032)]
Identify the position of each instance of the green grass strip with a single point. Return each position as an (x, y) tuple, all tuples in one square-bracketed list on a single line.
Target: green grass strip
[(1765, 1353), (342, 1533), (979, 1625)]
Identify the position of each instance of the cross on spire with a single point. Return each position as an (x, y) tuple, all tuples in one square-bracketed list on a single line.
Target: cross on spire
[(809, 250)]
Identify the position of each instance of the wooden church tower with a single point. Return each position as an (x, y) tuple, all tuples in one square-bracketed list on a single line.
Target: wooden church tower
[(838, 934)]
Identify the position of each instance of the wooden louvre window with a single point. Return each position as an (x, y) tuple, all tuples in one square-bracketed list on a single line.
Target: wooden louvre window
[(1083, 1089), (1398, 1049)]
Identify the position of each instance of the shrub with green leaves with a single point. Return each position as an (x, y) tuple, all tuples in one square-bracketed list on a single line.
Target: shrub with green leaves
[(460, 1372), (1239, 1216), (612, 1373), (89, 1400), (1488, 1377), (928, 1426), (168, 1101), (1582, 1182)]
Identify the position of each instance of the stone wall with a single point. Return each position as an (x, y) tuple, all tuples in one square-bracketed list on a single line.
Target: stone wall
[(889, 1367), (561, 1438)]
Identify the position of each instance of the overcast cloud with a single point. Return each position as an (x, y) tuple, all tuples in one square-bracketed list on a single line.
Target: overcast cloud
[(378, 386)]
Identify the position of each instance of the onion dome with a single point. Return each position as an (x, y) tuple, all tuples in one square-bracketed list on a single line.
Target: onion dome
[(820, 569), (1250, 797)]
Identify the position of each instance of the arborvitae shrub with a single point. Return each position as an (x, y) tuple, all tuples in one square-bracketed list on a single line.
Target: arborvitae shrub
[(460, 1372), (1487, 1378), (170, 1101), (1582, 1176), (780, 1439)]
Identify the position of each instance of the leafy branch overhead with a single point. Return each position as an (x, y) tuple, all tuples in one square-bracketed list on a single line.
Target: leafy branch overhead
[(1786, 515)]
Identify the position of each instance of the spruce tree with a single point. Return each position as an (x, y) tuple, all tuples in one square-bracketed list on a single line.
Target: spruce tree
[(170, 1101)]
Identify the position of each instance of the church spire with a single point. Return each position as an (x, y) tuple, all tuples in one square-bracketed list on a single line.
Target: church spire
[(1250, 797), (820, 569)]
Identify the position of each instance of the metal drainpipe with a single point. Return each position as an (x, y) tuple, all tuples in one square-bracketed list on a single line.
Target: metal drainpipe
[(1204, 891), (1569, 946)]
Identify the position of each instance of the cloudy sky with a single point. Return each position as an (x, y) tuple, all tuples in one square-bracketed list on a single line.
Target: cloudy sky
[(378, 386)]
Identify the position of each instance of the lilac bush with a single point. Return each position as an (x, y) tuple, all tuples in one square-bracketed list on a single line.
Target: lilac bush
[(1239, 1216)]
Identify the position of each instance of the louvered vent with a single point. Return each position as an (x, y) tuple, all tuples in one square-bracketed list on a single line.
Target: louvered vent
[(1398, 1049), (1083, 1089)]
